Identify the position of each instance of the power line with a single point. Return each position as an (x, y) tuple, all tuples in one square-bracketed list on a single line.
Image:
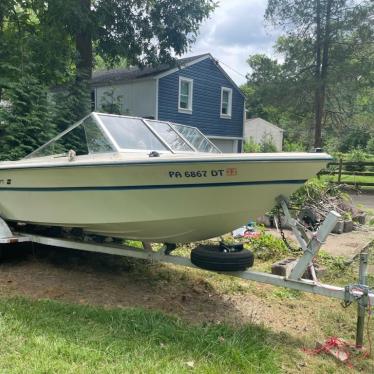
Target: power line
[(235, 71), (221, 62)]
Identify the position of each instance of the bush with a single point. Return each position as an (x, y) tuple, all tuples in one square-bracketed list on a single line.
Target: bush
[(290, 146), (26, 122), (356, 155), (370, 146), (111, 102), (267, 144), (314, 190), (250, 146), (355, 136), (267, 246)]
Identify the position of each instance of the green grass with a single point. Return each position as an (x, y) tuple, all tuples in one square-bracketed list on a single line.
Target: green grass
[(53, 337), (357, 178), (351, 178)]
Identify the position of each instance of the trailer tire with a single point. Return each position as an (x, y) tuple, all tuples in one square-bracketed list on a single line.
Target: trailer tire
[(211, 257)]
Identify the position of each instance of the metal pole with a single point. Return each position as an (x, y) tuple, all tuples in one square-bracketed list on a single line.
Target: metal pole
[(363, 300)]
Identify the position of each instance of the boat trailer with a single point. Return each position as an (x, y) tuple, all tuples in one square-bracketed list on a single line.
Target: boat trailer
[(360, 293)]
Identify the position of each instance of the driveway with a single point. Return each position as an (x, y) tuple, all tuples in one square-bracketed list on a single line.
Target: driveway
[(366, 199)]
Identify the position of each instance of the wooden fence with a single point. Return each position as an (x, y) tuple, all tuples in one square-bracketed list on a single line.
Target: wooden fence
[(340, 168)]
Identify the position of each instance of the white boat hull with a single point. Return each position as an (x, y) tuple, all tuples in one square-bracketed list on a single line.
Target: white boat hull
[(152, 200)]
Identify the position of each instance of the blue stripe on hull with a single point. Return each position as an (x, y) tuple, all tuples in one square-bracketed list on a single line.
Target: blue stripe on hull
[(152, 187)]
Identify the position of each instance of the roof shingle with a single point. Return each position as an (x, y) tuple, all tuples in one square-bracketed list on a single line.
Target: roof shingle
[(127, 74)]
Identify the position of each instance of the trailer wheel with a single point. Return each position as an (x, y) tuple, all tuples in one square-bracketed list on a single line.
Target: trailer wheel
[(217, 258)]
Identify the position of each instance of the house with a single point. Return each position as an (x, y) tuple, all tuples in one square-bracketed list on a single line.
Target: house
[(195, 91), (260, 130)]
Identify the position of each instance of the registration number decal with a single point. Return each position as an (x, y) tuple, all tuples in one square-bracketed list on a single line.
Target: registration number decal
[(228, 172), (5, 181)]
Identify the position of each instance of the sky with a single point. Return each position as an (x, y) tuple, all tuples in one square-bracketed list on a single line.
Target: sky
[(234, 31)]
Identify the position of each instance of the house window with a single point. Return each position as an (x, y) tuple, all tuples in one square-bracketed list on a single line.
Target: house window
[(185, 95), (226, 102)]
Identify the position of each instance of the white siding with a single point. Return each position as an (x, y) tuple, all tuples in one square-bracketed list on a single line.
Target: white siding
[(136, 98), (258, 129), (226, 145)]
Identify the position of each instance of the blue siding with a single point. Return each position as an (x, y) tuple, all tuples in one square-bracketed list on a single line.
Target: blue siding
[(206, 102)]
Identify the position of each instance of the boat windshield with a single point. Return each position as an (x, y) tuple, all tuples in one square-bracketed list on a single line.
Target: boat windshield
[(171, 136), (131, 133), (106, 133), (85, 137), (196, 138)]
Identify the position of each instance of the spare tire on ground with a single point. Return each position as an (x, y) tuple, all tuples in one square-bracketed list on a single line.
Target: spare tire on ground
[(222, 257)]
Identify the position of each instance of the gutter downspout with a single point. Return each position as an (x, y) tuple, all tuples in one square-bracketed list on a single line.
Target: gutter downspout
[(156, 98)]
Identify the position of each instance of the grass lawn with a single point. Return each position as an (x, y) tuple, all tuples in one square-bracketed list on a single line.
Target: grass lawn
[(41, 335), (53, 337), (357, 179), (352, 178)]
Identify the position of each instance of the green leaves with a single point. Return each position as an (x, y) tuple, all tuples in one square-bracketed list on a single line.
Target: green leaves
[(147, 32), (25, 119), (325, 64)]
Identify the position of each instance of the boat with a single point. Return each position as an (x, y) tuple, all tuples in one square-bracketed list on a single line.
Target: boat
[(147, 180)]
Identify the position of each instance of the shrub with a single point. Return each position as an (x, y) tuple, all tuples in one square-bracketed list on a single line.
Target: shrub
[(267, 144), (111, 102), (289, 146), (266, 246), (26, 121), (250, 146), (370, 146), (355, 136), (314, 190), (356, 155)]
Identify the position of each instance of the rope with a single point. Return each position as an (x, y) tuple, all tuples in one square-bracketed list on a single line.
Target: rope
[(333, 342), (343, 347)]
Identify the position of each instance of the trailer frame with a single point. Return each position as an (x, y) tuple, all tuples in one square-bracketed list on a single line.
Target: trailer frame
[(359, 293)]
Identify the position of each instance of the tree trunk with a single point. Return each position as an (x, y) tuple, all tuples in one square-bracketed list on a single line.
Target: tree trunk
[(318, 101), (83, 43), (322, 73), (1, 31)]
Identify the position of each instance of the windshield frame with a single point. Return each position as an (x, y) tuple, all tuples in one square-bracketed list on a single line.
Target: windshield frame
[(57, 137), (96, 116), (198, 130), (193, 149), (132, 150)]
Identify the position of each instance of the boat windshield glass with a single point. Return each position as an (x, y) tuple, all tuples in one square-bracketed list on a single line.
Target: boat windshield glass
[(196, 138), (131, 133), (170, 136), (85, 137), (107, 133)]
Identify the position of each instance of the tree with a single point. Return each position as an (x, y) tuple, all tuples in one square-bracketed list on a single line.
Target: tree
[(273, 95), (44, 43), (30, 61), (144, 32), (25, 124), (328, 44)]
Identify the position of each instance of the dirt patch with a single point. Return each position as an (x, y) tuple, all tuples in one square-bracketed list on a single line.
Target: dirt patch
[(346, 244), (171, 289), (364, 199)]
